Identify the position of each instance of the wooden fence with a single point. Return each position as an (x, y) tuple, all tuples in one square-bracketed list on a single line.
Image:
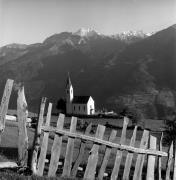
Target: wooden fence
[(146, 152), (148, 156)]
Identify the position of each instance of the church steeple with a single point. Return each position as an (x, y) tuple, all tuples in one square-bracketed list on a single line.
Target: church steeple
[(69, 95), (68, 82)]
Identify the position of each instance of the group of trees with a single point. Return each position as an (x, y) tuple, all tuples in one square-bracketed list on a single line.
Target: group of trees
[(61, 105)]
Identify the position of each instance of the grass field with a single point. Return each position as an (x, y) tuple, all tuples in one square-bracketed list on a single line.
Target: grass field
[(8, 150)]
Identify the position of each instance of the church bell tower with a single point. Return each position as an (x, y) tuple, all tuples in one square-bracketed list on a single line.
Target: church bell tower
[(69, 95)]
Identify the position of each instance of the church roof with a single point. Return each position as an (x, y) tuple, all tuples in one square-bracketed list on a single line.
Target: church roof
[(80, 99)]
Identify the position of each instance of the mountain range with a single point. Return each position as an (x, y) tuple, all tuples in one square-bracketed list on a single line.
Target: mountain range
[(130, 69)]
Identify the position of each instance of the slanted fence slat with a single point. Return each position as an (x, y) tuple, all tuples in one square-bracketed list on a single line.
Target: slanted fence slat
[(93, 157), (151, 160), (81, 152), (106, 143), (106, 156), (4, 104), (41, 161), (22, 114), (174, 173), (141, 157), (56, 148), (116, 168), (69, 150), (159, 164), (129, 157), (169, 162), (36, 144)]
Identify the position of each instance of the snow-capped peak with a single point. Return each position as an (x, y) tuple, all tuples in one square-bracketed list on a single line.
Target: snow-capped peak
[(134, 33), (86, 32)]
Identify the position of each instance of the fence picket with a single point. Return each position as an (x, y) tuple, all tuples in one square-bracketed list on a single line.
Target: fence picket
[(159, 163), (174, 173), (106, 156), (36, 144), (41, 161), (141, 157), (56, 148), (116, 168), (169, 162), (93, 157), (4, 104), (69, 150), (81, 153), (151, 160), (22, 114), (129, 157)]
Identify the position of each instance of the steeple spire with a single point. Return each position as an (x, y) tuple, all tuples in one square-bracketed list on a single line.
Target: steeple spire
[(68, 82)]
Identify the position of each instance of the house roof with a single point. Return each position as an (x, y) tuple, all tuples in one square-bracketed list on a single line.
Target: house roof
[(80, 99)]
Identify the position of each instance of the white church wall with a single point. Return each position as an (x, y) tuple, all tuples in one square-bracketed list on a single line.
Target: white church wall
[(79, 108)]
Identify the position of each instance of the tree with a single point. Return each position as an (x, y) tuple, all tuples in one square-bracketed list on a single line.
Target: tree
[(135, 115), (61, 105), (170, 129)]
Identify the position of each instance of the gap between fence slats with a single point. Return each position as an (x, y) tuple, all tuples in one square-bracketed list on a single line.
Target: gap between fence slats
[(81, 152), (106, 156)]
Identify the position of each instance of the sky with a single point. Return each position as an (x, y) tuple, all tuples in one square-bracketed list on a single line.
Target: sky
[(32, 21)]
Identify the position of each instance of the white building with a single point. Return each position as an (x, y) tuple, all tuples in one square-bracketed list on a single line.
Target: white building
[(81, 105)]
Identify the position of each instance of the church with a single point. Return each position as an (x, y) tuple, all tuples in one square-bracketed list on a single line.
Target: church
[(78, 105)]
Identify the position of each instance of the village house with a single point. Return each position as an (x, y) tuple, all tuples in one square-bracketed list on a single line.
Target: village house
[(78, 105)]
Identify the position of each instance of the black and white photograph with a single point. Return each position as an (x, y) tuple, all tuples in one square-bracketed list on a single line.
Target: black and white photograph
[(88, 89)]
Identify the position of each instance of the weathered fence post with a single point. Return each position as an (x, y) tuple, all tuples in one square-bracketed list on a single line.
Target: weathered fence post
[(4, 104), (151, 160), (141, 157), (116, 168), (56, 148), (22, 114), (159, 163), (93, 157), (129, 157), (69, 151), (169, 162), (174, 174), (36, 144), (44, 146)]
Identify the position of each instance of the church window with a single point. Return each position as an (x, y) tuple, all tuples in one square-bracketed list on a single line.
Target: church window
[(79, 108), (84, 108), (67, 91), (74, 108)]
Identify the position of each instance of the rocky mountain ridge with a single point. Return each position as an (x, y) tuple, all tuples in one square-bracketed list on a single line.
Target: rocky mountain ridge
[(117, 73)]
